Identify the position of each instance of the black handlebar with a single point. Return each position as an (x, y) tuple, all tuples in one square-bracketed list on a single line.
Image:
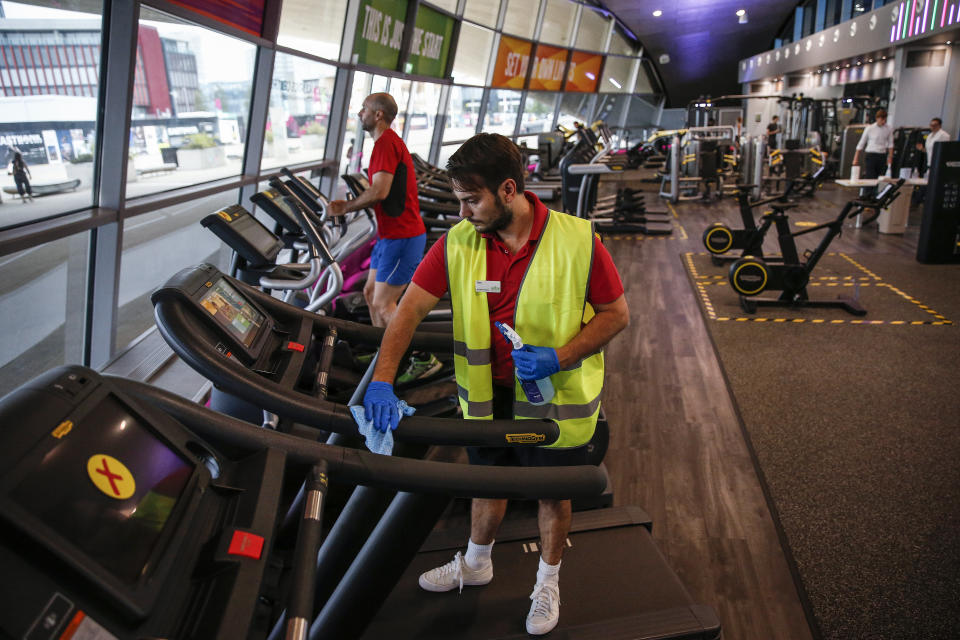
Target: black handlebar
[(180, 332), (358, 467)]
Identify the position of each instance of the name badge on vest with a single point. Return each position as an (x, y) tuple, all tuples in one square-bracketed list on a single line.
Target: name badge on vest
[(488, 286)]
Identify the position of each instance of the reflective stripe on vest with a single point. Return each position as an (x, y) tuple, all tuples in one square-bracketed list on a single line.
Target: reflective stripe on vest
[(560, 265)]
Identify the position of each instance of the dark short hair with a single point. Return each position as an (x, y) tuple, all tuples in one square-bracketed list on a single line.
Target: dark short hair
[(939, 121), (881, 113), (384, 102), (486, 160)]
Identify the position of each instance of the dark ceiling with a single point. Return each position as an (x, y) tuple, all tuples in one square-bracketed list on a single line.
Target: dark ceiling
[(703, 38)]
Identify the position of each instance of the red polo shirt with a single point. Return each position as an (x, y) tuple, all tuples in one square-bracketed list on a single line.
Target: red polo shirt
[(388, 152), (604, 287)]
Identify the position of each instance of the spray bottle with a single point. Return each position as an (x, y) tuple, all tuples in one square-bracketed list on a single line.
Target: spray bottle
[(538, 391)]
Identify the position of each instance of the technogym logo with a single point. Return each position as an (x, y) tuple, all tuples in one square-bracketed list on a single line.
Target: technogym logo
[(525, 438), (749, 278)]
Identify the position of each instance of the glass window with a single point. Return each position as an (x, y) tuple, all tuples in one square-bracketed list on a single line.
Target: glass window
[(502, 109), (538, 113), (462, 113), (618, 74), (42, 301), (473, 55), (55, 135), (448, 5), (644, 84), (558, 22), (156, 245), (620, 44), (520, 18), (575, 107), (400, 90), (592, 34), (483, 11), (313, 27), (192, 128), (424, 101), (355, 151), (299, 111), (446, 151)]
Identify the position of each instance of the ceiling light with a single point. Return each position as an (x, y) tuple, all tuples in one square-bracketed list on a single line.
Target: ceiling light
[(657, 13), (741, 12), (743, 16)]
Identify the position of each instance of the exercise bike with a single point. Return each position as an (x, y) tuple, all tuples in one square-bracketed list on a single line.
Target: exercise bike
[(719, 238), (751, 275)]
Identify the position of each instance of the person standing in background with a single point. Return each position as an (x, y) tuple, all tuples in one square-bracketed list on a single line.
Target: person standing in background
[(875, 147), (937, 134), (21, 175)]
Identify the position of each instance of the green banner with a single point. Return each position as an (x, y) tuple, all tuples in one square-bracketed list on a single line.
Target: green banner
[(380, 32), (430, 44)]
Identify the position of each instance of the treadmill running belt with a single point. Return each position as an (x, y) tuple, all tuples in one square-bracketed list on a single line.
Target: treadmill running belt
[(614, 584)]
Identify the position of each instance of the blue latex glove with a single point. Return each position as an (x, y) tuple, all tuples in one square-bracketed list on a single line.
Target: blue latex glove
[(380, 406), (534, 363), (377, 441)]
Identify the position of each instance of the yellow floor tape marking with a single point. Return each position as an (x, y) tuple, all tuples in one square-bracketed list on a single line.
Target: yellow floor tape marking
[(702, 285)]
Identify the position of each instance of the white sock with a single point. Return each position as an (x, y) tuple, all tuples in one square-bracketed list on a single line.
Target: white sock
[(548, 573), (478, 555)]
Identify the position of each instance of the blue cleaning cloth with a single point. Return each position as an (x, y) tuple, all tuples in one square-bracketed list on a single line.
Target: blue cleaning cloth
[(377, 441)]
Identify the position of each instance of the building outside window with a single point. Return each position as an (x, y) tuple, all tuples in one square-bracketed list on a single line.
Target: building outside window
[(49, 82), (183, 66)]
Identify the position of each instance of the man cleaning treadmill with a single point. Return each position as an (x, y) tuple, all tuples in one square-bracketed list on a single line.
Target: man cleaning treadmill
[(545, 273), (401, 235)]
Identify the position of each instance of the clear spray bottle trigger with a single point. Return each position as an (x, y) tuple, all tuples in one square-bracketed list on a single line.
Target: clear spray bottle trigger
[(538, 391)]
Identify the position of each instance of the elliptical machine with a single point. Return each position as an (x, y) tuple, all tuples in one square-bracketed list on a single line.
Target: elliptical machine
[(751, 275)]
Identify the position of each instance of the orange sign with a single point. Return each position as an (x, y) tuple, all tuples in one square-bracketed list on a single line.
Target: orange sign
[(513, 58), (584, 72), (548, 65)]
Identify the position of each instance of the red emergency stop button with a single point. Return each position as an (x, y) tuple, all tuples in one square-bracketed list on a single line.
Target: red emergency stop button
[(295, 346), (246, 544)]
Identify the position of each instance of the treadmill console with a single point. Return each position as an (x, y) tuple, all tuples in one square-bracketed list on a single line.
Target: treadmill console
[(245, 234), (279, 207), (110, 521), (240, 325)]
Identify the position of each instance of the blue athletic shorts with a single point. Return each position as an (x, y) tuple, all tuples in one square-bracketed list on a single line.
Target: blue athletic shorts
[(395, 259)]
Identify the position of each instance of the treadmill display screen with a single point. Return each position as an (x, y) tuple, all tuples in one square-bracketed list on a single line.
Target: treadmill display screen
[(232, 311), (108, 487)]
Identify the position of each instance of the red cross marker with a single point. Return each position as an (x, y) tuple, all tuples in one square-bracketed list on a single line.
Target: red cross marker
[(111, 477)]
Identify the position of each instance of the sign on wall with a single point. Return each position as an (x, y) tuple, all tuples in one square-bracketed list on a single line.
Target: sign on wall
[(513, 58), (549, 64), (430, 43), (246, 15), (584, 72), (379, 33)]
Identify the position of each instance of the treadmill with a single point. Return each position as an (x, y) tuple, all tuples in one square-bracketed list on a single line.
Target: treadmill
[(129, 512), (647, 601)]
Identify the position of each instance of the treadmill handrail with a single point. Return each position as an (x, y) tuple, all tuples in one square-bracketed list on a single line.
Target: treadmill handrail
[(369, 469), (309, 410), (316, 266)]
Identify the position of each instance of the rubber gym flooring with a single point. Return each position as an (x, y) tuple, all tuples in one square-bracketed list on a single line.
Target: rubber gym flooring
[(851, 421)]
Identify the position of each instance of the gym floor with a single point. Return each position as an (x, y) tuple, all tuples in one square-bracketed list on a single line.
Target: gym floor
[(727, 497)]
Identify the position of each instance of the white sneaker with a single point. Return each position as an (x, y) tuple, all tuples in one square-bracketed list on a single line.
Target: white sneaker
[(455, 573), (545, 610)]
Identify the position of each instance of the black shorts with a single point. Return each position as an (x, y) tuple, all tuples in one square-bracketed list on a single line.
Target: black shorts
[(522, 456)]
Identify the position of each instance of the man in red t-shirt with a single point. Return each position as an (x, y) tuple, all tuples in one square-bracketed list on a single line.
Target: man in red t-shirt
[(401, 236), (513, 231)]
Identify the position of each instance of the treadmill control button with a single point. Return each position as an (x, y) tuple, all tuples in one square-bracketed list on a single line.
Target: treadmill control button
[(294, 346), (246, 544)]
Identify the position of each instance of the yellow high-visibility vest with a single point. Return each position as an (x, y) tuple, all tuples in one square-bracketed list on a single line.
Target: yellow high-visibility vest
[(550, 310)]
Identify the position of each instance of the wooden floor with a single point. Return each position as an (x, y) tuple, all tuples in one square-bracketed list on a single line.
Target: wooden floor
[(676, 445)]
